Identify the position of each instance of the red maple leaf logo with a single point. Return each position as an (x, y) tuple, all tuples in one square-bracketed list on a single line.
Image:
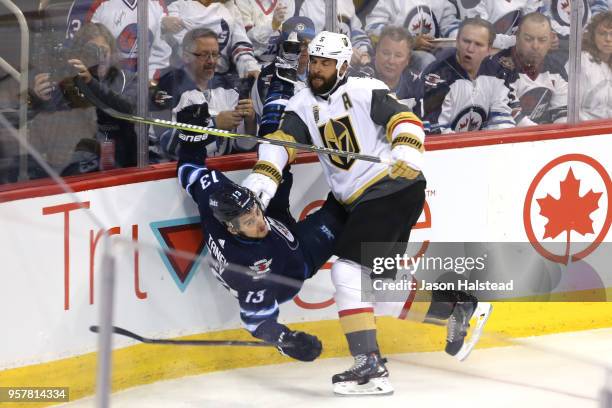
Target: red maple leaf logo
[(570, 211)]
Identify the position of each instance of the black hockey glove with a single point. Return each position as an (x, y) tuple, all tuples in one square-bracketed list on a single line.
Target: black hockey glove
[(299, 345), (192, 145), (194, 115)]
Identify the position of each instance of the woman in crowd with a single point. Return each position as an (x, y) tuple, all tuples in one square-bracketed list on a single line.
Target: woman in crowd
[(596, 69)]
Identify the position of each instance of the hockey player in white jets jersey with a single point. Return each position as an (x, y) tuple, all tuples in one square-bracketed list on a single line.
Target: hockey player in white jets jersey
[(120, 17), (235, 46), (505, 17), (382, 201)]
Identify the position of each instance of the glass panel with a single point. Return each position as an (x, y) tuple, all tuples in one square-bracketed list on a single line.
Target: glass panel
[(594, 100)]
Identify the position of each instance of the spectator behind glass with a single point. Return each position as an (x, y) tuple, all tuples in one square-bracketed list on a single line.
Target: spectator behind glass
[(460, 95), (348, 24), (537, 79), (558, 11), (303, 27), (424, 19), (120, 18), (92, 59), (191, 86), (505, 17), (236, 50), (262, 21), (596, 69), (391, 62)]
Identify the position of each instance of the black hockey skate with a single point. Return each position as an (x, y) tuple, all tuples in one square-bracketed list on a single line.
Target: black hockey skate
[(368, 376), (287, 62), (459, 323)]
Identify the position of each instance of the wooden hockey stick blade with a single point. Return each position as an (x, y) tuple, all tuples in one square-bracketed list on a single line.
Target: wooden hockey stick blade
[(132, 335), (223, 133)]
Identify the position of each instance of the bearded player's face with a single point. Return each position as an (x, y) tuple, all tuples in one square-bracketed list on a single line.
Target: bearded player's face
[(321, 74)]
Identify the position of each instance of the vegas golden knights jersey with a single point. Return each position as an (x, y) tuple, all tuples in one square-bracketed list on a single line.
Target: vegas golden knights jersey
[(360, 116)]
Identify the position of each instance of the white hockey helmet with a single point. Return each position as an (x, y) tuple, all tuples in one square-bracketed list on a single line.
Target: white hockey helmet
[(332, 45)]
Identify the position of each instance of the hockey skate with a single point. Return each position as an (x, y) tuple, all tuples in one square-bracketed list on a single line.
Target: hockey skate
[(287, 62), (459, 323), (368, 376)]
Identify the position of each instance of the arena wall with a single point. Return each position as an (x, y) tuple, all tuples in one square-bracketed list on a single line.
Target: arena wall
[(481, 188)]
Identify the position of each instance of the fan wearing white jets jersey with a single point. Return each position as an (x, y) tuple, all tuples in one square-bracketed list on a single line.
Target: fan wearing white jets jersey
[(382, 201)]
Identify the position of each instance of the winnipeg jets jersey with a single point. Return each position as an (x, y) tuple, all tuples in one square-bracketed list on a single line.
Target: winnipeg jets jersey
[(453, 102), (505, 16), (279, 253), (595, 89), (359, 116), (257, 20), (437, 18), (349, 24), (234, 45), (120, 17), (541, 94), (465, 8), (559, 13)]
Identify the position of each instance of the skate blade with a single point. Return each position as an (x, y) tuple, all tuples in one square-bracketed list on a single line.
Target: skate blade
[(482, 313), (376, 386)]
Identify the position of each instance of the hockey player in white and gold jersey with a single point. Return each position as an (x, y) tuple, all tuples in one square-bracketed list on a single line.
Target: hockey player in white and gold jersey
[(382, 201)]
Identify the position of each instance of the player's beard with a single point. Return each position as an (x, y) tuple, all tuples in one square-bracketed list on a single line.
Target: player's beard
[(325, 87)]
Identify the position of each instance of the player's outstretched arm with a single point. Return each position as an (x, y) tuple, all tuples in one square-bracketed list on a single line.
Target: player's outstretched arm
[(259, 312), (267, 172)]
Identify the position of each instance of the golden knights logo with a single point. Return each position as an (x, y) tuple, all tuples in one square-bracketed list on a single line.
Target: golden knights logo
[(339, 134)]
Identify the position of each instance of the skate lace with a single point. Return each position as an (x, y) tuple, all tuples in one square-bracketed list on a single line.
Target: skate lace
[(360, 362), (452, 328)]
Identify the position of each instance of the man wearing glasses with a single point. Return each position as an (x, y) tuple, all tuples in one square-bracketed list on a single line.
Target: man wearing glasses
[(188, 89)]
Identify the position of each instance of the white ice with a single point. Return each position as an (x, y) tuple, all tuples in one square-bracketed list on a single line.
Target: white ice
[(541, 375)]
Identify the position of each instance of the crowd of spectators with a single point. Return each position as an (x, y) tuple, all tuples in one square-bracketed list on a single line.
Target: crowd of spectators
[(459, 65)]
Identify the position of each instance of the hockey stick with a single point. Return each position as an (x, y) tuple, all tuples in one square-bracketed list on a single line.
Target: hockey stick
[(222, 133), (127, 333)]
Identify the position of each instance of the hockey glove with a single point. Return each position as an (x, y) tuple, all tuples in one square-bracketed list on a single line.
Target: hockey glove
[(299, 345), (194, 115), (405, 162), (193, 144), (263, 181)]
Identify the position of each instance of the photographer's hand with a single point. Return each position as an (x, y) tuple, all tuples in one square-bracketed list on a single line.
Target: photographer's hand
[(245, 109), (43, 87), (83, 70)]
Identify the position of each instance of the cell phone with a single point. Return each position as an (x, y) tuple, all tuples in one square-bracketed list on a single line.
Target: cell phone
[(244, 88)]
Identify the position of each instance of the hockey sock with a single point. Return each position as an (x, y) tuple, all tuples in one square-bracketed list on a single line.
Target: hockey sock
[(356, 317)]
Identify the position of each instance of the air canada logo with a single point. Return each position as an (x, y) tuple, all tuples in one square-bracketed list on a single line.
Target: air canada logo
[(569, 201), (339, 134), (182, 244)]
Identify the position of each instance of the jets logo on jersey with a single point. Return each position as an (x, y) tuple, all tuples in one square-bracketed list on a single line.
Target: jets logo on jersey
[(260, 268), (470, 118), (339, 134), (561, 12), (421, 20), (284, 232)]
